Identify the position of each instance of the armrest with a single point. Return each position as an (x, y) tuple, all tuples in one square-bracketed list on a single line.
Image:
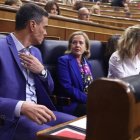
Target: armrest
[(60, 101)]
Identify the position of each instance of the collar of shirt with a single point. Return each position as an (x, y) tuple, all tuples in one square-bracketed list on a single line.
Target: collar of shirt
[(18, 44)]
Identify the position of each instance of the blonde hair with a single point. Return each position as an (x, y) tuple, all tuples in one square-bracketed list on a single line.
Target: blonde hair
[(129, 42), (87, 52), (94, 8)]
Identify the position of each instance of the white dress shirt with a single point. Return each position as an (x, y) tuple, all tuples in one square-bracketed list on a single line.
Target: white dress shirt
[(30, 84), (122, 68)]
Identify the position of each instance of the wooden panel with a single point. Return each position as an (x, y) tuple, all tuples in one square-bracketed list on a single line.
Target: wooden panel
[(71, 23), (102, 37), (54, 31), (116, 19), (7, 25), (2, 1), (9, 13), (83, 25), (104, 19), (71, 13), (70, 31)]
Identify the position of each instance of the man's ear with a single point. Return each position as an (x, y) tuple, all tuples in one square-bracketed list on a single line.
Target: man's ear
[(32, 25)]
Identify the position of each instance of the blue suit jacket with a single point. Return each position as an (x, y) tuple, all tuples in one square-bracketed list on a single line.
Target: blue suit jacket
[(70, 80), (13, 86)]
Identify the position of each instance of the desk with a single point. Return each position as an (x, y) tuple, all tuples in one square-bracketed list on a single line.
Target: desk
[(78, 125)]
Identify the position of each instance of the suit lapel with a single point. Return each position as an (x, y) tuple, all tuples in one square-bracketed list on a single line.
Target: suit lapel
[(74, 66), (14, 51)]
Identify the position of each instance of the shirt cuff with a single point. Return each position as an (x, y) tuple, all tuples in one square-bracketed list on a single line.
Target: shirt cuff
[(18, 108)]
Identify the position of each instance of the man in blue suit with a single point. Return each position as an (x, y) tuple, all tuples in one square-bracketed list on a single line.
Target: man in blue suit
[(25, 84)]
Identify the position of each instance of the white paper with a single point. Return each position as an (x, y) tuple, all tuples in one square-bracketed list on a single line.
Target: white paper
[(80, 123)]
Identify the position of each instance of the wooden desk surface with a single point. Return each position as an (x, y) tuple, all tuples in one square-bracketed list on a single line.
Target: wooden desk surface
[(42, 132)]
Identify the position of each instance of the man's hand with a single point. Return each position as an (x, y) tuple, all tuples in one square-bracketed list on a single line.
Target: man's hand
[(32, 63), (37, 113)]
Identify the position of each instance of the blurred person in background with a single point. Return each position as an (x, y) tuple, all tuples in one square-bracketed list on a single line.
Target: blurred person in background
[(77, 5), (126, 60), (128, 14), (111, 47), (52, 8), (68, 2), (95, 9), (118, 3), (84, 14), (14, 3)]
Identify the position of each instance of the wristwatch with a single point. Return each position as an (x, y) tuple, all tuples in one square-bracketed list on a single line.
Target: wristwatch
[(43, 72)]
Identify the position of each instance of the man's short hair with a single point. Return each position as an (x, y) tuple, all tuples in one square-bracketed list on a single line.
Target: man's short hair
[(29, 12), (82, 9)]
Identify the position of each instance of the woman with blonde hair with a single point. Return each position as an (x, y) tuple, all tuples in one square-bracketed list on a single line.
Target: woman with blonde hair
[(126, 60), (74, 73), (95, 9)]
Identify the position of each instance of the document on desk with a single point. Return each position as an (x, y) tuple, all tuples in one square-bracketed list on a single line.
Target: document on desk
[(80, 123), (76, 129), (70, 132)]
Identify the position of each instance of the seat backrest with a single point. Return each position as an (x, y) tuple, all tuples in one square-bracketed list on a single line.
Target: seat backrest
[(52, 49), (112, 113), (97, 59)]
